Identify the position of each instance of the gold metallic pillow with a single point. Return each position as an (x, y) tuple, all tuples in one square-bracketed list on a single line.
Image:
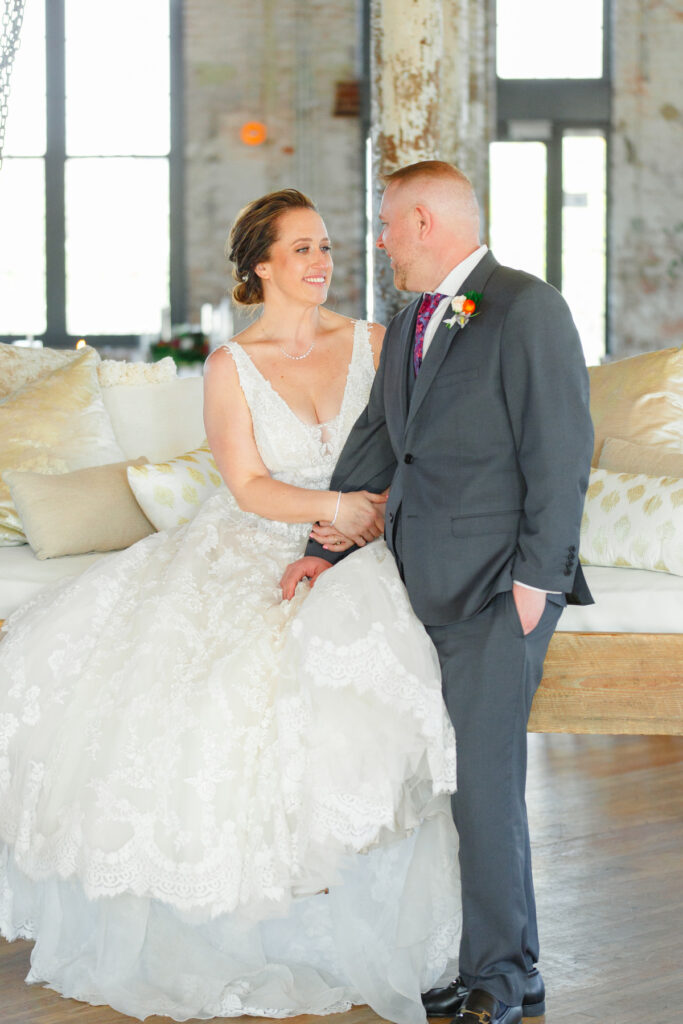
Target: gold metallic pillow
[(53, 425), (19, 366), (625, 457), (71, 513), (640, 400)]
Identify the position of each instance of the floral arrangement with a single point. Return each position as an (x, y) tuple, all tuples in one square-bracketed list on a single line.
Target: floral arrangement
[(464, 308), (187, 345)]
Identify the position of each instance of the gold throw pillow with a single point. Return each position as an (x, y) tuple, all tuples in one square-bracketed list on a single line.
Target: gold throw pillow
[(71, 513), (639, 400), (53, 425), (19, 366), (625, 457)]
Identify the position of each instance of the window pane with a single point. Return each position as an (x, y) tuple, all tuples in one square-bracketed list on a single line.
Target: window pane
[(117, 247), (518, 204), (22, 253), (583, 238), (117, 77), (25, 132), (543, 39)]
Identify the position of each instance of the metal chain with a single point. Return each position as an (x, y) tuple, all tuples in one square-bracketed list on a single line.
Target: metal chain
[(12, 17)]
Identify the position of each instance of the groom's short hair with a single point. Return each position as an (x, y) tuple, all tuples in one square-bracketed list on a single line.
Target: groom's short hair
[(429, 170)]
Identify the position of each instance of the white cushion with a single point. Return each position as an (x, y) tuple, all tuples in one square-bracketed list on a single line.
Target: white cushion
[(157, 420), (627, 601)]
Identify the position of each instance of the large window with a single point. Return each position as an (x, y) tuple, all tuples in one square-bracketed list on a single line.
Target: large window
[(549, 165), (90, 188)]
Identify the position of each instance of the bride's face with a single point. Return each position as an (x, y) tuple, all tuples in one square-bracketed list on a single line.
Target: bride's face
[(300, 262)]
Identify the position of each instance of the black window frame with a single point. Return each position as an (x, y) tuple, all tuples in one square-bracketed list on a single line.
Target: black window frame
[(55, 334), (566, 104)]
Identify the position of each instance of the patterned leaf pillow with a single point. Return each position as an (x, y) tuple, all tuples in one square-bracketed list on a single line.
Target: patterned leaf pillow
[(633, 520), (171, 493)]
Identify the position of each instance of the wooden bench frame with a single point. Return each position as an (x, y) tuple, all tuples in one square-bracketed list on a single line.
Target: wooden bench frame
[(611, 683)]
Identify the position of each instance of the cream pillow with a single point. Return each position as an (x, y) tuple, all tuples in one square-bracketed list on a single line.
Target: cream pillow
[(625, 457), (71, 513), (19, 366), (53, 425), (171, 493), (157, 420), (639, 399), (633, 520), (115, 372)]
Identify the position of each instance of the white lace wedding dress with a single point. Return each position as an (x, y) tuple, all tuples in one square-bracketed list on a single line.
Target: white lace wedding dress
[(186, 761)]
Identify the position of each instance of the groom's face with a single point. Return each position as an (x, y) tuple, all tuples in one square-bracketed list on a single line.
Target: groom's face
[(399, 237)]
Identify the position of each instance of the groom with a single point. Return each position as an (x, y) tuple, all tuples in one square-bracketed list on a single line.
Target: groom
[(478, 421)]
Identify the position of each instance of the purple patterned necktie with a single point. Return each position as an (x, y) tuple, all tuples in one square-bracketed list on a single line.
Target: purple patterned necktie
[(427, 307)]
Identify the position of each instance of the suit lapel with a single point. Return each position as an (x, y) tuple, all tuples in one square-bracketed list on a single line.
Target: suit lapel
[(406, 357), (446, 336)]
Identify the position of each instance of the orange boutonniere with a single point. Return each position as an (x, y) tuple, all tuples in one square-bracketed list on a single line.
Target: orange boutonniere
[(464, 308)]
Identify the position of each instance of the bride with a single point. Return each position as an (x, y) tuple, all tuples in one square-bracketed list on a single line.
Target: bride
[(215, 802)]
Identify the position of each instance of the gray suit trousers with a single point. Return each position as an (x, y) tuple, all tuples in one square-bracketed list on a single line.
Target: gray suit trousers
[(490, 674)]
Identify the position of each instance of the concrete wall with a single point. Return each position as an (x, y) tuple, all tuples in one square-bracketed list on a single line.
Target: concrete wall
[(274, 61), (646, 279)]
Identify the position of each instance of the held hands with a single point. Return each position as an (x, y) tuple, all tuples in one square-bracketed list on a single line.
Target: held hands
[(530, 605), (359, 519), (308, 567)]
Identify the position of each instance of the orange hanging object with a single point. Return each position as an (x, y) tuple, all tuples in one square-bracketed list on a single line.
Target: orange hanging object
[(253, 133)]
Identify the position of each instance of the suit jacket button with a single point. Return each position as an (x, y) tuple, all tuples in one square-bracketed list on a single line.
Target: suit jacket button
[(567, 572), (572, 548), (408, 458), (391, 517)]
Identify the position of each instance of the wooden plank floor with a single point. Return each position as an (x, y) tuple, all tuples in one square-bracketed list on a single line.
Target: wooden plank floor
[(606, 815)]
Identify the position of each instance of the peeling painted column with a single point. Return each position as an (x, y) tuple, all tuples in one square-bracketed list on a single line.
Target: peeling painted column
[(432, 91)]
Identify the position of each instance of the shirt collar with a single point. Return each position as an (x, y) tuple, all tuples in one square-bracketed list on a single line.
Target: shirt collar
[(454, 280)]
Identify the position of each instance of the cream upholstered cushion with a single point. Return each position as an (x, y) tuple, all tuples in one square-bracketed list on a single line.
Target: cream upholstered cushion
[(633, 520), (19, 366), (54, 424), (71, 513), (157, 420), (114, 372), (625, 457), (639, 399), (171, 493)]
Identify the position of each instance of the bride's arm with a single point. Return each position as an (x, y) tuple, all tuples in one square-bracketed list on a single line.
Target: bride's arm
[(230, 434)]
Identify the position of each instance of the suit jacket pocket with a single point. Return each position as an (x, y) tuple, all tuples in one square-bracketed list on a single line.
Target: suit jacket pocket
[(454, 378), (486, 523)]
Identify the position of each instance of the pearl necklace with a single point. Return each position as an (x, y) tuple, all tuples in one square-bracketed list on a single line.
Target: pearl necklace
[(303, 356)]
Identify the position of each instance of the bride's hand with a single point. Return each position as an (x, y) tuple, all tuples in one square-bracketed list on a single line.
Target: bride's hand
[(330, 538), (360, 516), (308, 568)]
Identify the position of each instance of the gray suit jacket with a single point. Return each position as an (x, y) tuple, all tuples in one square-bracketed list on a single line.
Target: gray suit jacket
[(487, 454)]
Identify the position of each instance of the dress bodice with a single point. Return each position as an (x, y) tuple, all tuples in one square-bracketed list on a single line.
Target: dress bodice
[(295, 452)]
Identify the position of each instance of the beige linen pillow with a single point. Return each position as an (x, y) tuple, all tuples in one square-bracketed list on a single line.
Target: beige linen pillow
[(633, 520), (53, 425), (71, 513), (625, 457), (171, 493), (19, 366), (639, 399)]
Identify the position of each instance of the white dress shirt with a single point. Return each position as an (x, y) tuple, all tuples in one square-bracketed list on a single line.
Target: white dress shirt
[(450, 287)]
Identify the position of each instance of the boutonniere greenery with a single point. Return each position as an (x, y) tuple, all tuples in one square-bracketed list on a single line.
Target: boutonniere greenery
[(464, 308)]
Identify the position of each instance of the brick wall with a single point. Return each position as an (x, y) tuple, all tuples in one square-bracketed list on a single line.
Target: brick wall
[(275, 62), (646, 278)]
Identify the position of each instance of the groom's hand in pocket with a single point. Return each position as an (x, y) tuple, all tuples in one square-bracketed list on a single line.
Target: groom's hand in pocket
[(309, 567)]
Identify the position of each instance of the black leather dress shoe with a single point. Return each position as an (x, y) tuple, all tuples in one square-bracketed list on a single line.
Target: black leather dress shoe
[(445, 1002), (482, 1008)]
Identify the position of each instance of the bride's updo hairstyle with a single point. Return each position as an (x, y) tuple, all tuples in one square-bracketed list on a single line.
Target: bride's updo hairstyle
[(252, 236)]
